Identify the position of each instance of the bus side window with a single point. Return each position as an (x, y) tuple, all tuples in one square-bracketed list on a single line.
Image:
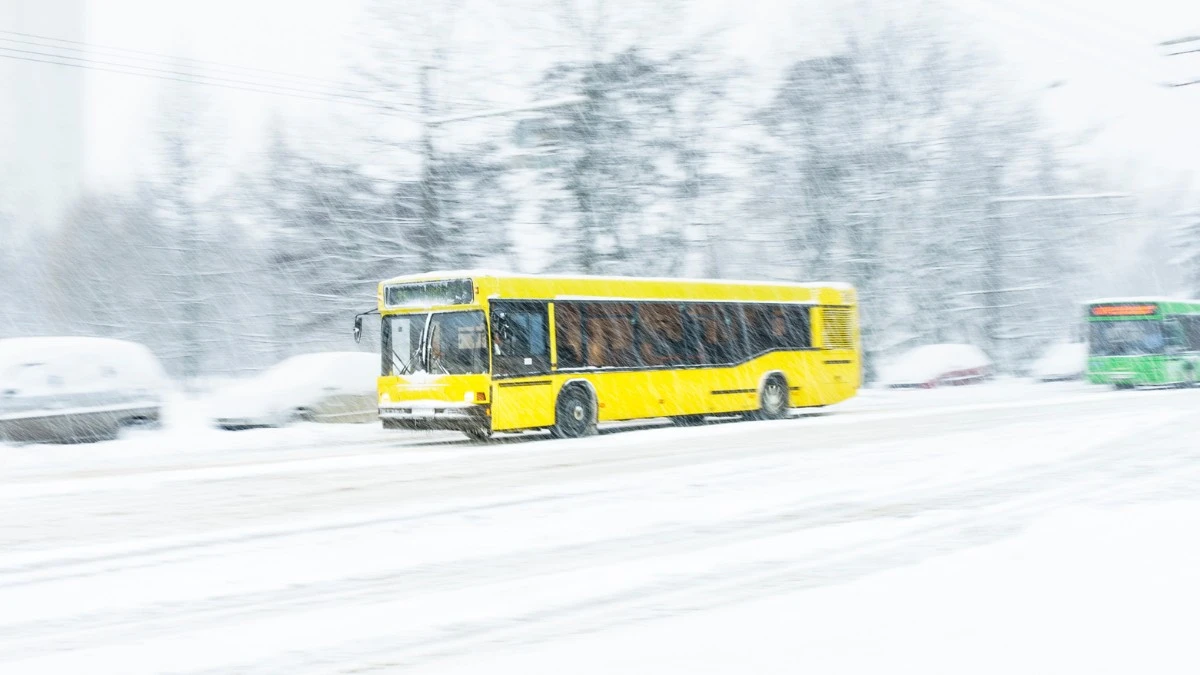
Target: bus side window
[(520, 338), (661, 340), (765, 328), (609, 330), (568, 335), (719, 336), (798, 335), (1191, 330), (777, 327)]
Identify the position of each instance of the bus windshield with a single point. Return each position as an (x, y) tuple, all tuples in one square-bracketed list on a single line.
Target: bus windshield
[(448, 343), (1126, 338)]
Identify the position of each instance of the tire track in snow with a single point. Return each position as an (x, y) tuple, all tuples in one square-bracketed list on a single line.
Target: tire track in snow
[(741, 582), (802, 515), (475, 474)]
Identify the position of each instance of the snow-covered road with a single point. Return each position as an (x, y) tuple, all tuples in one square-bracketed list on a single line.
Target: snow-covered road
[(351, 550)]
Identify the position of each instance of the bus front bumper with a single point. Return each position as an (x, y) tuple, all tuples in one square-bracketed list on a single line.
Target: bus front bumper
[(436, 415)]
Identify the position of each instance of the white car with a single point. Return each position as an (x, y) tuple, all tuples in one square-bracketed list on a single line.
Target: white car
[(1066, 361), (937, 365), (76, 389), (320, 387)]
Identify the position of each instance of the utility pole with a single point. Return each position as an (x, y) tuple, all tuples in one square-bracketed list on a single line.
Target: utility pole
[(431, 239)]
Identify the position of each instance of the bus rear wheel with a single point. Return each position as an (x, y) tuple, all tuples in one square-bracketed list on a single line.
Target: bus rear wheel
[(574, 414), (773, 400)]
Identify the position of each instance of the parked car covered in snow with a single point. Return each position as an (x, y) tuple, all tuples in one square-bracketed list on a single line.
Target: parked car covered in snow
[(76, 389), (319, 387), (1065, 361), (937, 365)]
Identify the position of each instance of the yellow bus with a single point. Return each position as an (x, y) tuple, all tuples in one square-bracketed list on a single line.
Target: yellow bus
[(485, 352)]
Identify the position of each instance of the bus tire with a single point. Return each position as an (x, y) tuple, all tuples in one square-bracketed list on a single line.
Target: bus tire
[(574, 413), (773, 399), (478, 434)]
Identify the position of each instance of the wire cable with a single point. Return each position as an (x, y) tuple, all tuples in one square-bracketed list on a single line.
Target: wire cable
[(189, 78), (136, 54)]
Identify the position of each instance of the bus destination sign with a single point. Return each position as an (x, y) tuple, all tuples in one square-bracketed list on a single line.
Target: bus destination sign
[(1125, 310)]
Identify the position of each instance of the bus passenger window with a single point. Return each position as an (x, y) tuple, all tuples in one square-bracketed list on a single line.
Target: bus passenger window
[(609, 331), (661, 337), (760, 333), (796, 320), (777, 327), (718, 335), (568, 335), (1191, 332)]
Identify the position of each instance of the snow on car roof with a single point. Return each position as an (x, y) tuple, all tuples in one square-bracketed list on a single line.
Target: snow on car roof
[(82, 360), (926, 362), (1064, 358), (322, 368), (12, 349)]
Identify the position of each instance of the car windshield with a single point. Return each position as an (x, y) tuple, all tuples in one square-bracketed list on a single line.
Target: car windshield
[(449, 343), (1125, 338)]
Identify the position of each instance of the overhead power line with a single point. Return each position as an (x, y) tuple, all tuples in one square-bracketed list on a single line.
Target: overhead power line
[(539, 105), (1020, 20), (141, 55), (1186, 40), (182, 75), (166, 67), (1180, 41)]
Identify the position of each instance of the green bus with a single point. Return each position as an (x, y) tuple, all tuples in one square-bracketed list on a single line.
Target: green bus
[(1143, 342)]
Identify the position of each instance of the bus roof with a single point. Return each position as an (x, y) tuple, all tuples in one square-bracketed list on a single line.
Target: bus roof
[(497, 274)]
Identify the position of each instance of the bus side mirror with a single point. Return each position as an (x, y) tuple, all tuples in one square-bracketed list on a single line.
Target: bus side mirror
[(358, 328)]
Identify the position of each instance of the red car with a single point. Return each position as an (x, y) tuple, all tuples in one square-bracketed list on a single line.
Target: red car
[(936, 366)]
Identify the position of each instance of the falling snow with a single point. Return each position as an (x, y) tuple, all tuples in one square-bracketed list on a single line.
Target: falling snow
[(213, 189)]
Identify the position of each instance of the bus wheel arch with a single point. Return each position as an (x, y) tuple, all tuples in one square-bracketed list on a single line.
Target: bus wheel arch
[(576, 410), (773, 397)]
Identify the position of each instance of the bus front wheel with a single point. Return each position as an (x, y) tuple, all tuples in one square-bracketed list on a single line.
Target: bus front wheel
[(478, 434), (574, 414)]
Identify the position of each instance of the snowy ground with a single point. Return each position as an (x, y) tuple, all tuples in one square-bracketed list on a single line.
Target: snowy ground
[(1001, 528)]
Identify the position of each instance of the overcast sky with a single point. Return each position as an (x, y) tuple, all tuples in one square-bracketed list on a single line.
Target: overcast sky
[(1102, 50)]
